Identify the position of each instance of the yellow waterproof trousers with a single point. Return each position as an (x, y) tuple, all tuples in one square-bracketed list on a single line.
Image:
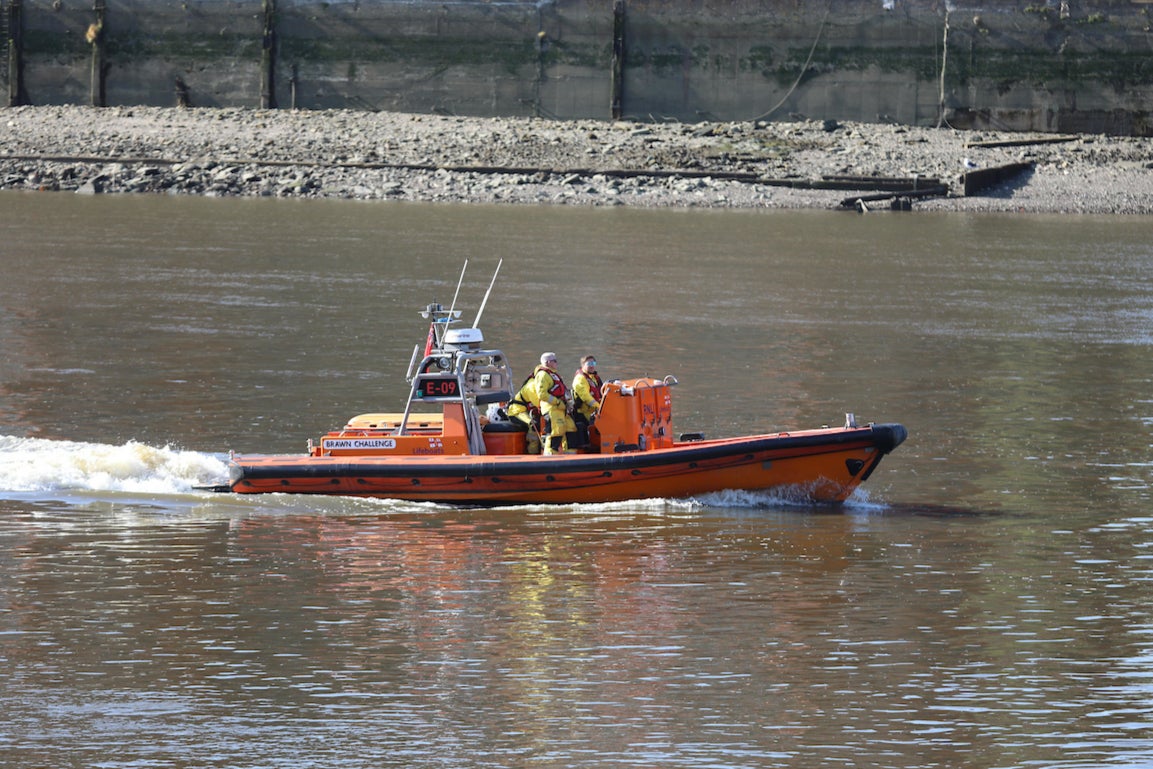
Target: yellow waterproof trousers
[(559, 424)]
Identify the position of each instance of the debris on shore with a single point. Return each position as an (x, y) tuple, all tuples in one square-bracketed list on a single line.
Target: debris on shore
[(433, 158)]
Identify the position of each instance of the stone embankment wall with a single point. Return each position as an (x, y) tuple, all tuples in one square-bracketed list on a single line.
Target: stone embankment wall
[(1044, 65)]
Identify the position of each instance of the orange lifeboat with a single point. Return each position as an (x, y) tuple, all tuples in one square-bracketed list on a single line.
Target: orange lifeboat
[(453, 444)]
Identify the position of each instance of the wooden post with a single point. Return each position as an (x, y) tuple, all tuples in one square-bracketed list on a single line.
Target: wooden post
[(95, 38), (183, 99), (618, 61), (268, 57), (541, 44), (14, 38), (944, 62)]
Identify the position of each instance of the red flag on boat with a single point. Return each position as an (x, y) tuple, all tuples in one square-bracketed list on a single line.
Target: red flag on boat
[(430, 342)]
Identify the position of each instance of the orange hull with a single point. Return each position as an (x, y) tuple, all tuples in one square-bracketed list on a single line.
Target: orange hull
[(820, 465)]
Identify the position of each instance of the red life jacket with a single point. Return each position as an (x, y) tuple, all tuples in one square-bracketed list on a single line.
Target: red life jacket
[(558, 388)]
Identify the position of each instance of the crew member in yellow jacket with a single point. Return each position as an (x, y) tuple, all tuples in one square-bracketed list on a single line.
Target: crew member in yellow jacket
[(554, 404), (588, 391), (544, 393)]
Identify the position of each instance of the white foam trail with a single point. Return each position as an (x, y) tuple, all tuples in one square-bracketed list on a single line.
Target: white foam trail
[(858, 501), (35, 464)]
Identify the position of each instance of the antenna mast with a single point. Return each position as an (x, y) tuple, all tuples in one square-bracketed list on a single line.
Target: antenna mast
[(452, 306), (476, 323)]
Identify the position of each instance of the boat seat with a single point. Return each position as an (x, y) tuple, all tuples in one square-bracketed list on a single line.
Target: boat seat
[(493, 396), (505, 427)]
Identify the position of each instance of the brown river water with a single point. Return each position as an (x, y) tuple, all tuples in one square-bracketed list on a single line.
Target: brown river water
[(985, 601)]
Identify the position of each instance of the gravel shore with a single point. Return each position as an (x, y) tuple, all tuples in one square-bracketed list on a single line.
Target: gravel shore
[(362, 155)]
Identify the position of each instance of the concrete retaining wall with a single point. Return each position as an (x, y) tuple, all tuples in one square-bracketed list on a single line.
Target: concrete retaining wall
[(1042, 65)]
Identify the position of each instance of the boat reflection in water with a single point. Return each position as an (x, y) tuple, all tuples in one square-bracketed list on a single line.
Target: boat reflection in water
[(454, 444)]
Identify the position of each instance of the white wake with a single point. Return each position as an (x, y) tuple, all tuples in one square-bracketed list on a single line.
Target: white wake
[(39, 465)]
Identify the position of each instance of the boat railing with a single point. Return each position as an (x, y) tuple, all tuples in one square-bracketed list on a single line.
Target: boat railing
[(432, 387)]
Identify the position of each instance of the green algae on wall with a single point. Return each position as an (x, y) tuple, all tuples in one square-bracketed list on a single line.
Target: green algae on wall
[(1118, 69), (170, 46), (435, 54)]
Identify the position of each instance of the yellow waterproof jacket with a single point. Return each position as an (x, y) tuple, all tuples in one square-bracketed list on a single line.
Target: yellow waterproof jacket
[(587, 392), (550, 388), (526, 398)]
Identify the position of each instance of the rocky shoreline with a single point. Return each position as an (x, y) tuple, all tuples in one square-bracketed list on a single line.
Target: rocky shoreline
[(433, 158)]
